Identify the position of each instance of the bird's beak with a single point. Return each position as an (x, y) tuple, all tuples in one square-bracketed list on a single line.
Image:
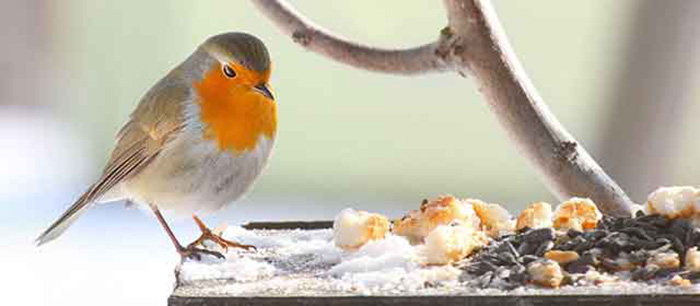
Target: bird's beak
[(264, 90)]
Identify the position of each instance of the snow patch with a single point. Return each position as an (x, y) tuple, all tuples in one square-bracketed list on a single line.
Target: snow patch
[(292, 261)]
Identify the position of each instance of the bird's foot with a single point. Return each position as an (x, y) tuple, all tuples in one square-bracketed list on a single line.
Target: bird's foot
[(215, 236), (196, 253)]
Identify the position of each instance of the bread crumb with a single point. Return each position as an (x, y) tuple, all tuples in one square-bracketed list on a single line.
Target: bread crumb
[(596, 278), (676, 202), (352, 228), (537, 215), (545, 272), (692, 259), (495, 219), (451, 243), (666, 260), (418, 224), (578, 213)]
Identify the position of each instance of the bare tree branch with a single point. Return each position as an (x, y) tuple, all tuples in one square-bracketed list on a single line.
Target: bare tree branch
[(313, 37), (474, 43), (482, 47)]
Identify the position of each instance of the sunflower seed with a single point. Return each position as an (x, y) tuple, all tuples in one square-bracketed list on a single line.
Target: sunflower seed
[(539, 235)]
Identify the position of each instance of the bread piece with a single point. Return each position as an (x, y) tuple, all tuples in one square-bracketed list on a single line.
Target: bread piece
[(418, 224), (451, 243), (578, 213), (676, 202), (537, 215), (495, 219), (352, 228)]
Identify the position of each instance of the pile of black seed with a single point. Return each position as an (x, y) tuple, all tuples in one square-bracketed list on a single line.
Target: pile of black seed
[(503, 263)]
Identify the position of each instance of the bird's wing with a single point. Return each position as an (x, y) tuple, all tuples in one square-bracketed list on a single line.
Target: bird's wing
[(155, 121), (157, 118)]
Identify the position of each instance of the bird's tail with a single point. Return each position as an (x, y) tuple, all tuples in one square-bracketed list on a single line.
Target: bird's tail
[(68, 217)]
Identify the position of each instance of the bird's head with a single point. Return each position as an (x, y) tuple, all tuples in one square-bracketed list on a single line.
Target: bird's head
[(242, 59), (235, 97)]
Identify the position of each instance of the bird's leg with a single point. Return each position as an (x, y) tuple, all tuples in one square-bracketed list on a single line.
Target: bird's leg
[(185, 252), (207, 234)]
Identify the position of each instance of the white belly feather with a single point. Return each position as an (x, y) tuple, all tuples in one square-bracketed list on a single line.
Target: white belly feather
[(192, 175)]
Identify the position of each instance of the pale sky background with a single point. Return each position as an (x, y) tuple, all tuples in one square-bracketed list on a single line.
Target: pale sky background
[(347, 137)]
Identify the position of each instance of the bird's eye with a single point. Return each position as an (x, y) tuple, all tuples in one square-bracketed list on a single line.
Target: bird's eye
[(229, 72)]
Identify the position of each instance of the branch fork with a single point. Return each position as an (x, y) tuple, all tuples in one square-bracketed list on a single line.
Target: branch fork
[(474, 43)]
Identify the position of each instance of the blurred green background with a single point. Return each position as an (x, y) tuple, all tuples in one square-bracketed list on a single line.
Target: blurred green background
[(74, 69)]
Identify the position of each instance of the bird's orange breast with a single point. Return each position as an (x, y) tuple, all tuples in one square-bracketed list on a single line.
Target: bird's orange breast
[(234, 115)]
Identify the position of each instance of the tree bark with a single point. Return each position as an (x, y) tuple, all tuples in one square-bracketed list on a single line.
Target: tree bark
[(474, 44), (313, 37)]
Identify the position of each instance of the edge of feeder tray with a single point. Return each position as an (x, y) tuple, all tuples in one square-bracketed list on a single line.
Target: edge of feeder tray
[(589, 299)]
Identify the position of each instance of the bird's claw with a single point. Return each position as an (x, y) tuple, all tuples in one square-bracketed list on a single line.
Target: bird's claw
[(207, 234), (196, 253)]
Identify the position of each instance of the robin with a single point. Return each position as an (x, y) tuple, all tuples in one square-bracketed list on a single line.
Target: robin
[(195, 143)]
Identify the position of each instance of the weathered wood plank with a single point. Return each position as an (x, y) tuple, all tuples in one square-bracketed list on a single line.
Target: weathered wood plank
[(287, 225), (520, 300)]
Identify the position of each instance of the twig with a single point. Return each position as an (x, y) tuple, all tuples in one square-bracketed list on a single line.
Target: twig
[(474, 43), (312, 37)]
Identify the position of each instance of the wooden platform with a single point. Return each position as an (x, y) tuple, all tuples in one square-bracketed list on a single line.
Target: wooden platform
[(191, 295), (526, 300)]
